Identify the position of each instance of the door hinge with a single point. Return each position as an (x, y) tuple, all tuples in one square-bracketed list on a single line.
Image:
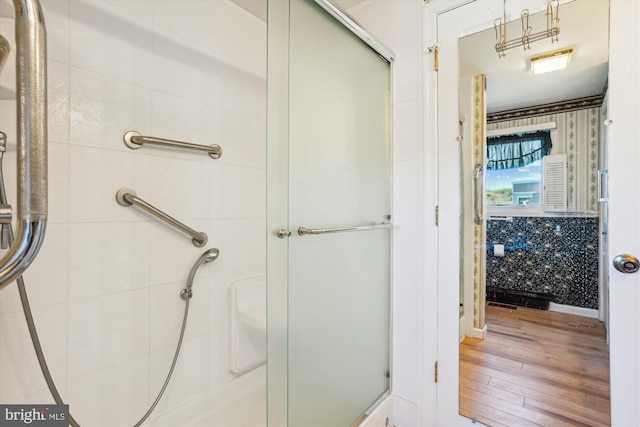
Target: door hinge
[(435, 374), (434, 49), (437, 215)]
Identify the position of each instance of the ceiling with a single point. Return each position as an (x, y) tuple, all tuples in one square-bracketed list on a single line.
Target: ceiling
[(510, 83)]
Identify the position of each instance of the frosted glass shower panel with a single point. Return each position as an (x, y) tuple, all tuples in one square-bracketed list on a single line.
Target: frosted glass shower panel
[(339, 165)]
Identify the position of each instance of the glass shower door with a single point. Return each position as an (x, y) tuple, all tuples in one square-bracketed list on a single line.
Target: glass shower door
[(339, 176)]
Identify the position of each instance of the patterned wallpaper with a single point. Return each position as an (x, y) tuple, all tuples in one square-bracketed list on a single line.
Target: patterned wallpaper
[(577, 134), (556, 255), (479, 229)]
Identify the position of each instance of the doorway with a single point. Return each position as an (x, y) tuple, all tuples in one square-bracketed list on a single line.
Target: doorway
[(623, 288)]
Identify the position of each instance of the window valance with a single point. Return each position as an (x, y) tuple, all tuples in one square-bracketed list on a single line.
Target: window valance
[(517, 150)]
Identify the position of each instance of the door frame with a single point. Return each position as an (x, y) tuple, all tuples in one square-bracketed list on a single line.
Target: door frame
[(441, 89)]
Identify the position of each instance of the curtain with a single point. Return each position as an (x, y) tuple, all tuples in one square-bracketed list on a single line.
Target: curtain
[(518, 150)]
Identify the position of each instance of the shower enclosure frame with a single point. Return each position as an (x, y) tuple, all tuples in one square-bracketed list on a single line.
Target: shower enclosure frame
[(278, 190)]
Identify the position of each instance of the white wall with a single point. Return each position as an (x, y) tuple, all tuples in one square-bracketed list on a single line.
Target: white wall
[(398, 24), (105, 286)]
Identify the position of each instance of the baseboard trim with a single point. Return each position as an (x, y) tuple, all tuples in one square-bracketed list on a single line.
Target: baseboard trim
[(479, 333), (570, 309)]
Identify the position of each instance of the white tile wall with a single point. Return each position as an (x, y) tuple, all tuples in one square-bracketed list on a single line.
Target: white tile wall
[(96, 396), (105, 287), (104, 108), (107, 258), (406, 135), (19, 369), (111, 42), (95, 175), (167, 311), (233, 30), (190, 377), (178, 118), (47, 277), (107, 330)]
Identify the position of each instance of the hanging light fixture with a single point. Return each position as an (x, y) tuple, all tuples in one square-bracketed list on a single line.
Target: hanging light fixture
[(553, 29)]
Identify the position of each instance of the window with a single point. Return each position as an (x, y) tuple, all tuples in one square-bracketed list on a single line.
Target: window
[(514, 168)]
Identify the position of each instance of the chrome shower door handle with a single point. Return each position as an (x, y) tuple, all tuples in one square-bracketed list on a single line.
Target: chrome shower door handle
[(303, 231), (32, 159), (283, 233)]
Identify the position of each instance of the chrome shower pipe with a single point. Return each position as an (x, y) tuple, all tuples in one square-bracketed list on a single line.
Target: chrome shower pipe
[(31, 93)]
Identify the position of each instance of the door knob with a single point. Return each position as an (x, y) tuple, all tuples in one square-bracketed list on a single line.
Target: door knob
[(626, 263)]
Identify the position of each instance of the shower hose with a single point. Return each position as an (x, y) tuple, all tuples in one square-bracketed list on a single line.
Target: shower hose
[(186, 294)]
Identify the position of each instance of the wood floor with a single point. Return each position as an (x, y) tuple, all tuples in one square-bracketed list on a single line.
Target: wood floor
[(536, 368)]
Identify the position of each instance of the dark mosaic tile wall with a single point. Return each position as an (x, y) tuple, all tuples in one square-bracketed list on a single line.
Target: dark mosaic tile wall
[(550, 255)]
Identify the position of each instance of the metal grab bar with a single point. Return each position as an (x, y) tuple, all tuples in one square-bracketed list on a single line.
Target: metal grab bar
[(302, 231), (31, 135), (478, 194), (128, 197), (135, 140)]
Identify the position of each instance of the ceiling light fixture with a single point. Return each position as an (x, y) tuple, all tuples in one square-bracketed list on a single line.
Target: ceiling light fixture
[(551, 61), (527, 37)]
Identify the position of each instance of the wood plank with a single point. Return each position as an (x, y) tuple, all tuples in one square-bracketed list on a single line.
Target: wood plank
[(470, 387), (582, 414), (525, 414), (558, 385), (482, 414), (568, 399), (528, 356), (536, 367)]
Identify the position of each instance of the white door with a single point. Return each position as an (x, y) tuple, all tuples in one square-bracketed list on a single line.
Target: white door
[(624, 197), (623, 135)]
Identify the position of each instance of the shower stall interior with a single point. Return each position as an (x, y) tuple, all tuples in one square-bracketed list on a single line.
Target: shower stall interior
[(294, 192)]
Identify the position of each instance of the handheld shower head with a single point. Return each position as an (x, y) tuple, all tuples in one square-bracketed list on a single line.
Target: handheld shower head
[(208, 256)]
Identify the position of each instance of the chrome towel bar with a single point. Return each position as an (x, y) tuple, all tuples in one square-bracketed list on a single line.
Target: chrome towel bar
[(31, 136), (302, 231), (128, 197), (134, 140)]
